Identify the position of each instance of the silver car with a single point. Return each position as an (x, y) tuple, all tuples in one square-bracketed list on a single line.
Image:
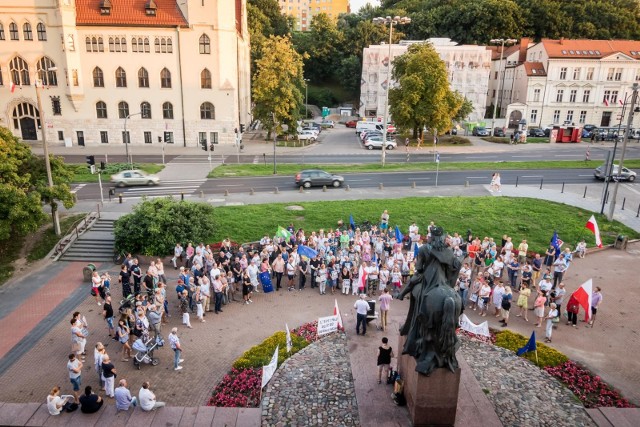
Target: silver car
[(625, 175), (134, 177), (376, 142)]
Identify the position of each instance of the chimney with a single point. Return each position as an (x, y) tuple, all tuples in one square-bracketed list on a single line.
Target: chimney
[(524, 45), (561, 40)]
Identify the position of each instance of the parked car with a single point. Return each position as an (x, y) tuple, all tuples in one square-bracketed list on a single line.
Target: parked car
[(310, 129), (376, 142), (498, 131), (316, 177), (589, 128), (480, 131), (134, 177), (308, 135), (327, 124), (369, 133), (351, 123), (626, 175), (536, 132), (314, 125)]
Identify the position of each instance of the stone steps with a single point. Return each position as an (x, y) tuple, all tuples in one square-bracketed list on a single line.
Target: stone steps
[(97, 244)]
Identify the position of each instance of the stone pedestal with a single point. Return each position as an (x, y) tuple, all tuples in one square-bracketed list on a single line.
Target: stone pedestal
[(431, 400)]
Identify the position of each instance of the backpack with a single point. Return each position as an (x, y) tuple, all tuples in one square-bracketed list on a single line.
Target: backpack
[(70, 406)]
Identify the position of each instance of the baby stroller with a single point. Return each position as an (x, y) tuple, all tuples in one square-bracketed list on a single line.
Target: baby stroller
[(144, 352), (127, 303)]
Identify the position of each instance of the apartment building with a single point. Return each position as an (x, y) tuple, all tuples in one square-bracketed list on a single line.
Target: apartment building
[(303, 11)]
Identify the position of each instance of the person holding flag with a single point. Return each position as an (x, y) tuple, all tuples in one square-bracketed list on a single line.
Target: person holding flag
[(593, 226)]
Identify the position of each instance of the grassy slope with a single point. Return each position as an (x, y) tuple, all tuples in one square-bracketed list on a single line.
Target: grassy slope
[(49, 239)]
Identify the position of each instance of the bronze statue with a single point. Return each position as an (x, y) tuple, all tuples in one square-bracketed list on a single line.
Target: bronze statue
[(434, 307)]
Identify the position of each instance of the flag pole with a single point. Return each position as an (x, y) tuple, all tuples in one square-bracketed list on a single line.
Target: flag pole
[(537, 357)]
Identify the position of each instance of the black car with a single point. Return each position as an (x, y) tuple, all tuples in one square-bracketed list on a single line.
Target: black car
[(316, 177), (498, 132), (536, 133), (480, 131)]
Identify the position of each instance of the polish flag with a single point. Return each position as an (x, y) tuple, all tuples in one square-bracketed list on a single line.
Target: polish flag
[(362, 278), (605, 101), (593, 226), (12, 87), (336, 312), (583, 296)]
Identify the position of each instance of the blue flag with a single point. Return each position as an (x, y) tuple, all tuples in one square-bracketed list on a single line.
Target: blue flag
[(307, 251), (530, 346), (399, 236), (555, 242), (352, 222), (415, 252)]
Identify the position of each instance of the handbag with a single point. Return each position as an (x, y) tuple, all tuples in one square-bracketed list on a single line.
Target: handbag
[(93, 292), (474, 298)]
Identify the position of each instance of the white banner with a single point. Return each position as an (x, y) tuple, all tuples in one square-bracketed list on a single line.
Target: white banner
[(326, 325), (267, 371), (469, 326)]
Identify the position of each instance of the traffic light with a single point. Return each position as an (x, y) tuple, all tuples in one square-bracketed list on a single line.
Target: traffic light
[(242, 128), (91, 163), (103, 165), (203, 143)]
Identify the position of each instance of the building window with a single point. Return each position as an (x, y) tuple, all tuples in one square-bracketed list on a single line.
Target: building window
[(60, 135), (100, 45), (19, 71), (165, 78), (112, 45), (147, 47), (98, 77), (104, 137), (536, 95), (55, 106), (576, 73), (143, 77), (586, 95), (570, 116), (13, 31), (145, 109), (42, 32), (572, 95), (117, 44), (1, 81), (157, 45), (147, 138), (610, 74), (205, 44), (205, 79), (167, 111), (101, 110), (607, 97), (563, 73), (169, 45), (46, 74), (121, 77), (87, 42), (637, 71), (556, 116), (168, 137), (123, 110), (123, 43), (614, 96), (207, 111), (534, 116), (74, 76), (1, 31), (590, 73), (126, 137), (559, 95), (605, 121), (134, 44), (26, 31), (213, 137), (583, 116), (618, 75), (202, 137)]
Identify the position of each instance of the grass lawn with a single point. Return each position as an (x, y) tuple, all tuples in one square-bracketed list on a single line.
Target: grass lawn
[(291, 169), (506, 140), (49, 239), (520, 218), (82, 173)]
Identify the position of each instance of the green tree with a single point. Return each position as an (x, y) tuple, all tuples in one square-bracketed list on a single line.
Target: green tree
[(264, 19), (322, 43), (465, 109), (422, 96), (278, 84)]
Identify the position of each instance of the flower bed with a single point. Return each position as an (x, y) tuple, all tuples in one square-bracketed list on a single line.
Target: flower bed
[(546, 356), (308, 331), (590, 389), (240, 388), (475, 337)]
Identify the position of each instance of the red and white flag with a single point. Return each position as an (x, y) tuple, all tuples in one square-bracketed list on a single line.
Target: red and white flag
[(605, 101), (12, 87), (336, 312), (583, 296), (362, 278), (593, 226)]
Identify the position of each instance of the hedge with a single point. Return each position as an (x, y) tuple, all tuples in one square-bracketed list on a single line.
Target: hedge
[(547, 356)]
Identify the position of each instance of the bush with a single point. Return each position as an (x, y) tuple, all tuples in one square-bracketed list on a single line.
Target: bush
[(261, 354), (547, 356), (155, 226)]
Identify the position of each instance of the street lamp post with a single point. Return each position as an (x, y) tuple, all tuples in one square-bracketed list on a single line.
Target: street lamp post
[(306, 98), (127, 140), (501, 42), (45, 147), (391, 21)]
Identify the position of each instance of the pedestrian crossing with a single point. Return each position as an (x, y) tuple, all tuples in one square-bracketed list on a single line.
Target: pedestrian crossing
[(187, 159), (77, 188), (166, 188)]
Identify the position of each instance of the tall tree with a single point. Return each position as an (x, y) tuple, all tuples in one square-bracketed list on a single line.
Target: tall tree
[(422, 96), (278, 84), (323, 44), (264, 20)]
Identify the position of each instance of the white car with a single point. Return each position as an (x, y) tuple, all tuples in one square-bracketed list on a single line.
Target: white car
[(134, 177), (376, 142), (308, 135), (310, 129)]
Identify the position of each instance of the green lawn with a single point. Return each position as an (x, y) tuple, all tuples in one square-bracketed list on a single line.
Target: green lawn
[(82, 173), (506, 140), (49, 239), (520, 218), (291, 169)]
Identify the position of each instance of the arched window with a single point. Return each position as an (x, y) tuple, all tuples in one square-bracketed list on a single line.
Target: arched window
[(123, 43), (147, 48), (19, 71), (112, 45), (123, 110), (26, 31), (205, 44), (13, 31), (163, 45), (134, 44), (121, 77), (167, 110), (169, 45), (42, 32), (101, 110), (94, 44), (100, 45), (1, 31), (157, 45), (145, 109), (165, 78), (48, 76), (143, 77), (207, 111), (205, 79), (87, 42), (98, 77)]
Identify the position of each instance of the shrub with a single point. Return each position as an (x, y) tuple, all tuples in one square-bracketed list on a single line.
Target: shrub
[(240, 388), (590, 389), (261, 354), (547, 356), (155, 226)]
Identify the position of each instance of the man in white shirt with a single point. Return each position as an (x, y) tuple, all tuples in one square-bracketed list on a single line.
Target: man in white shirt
[(361, 307), (147, 399)]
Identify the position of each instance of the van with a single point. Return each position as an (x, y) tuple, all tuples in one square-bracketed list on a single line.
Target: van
[(369, 126)]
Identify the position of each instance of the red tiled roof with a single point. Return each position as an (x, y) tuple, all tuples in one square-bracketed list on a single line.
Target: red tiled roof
[(595, 49), (130, 13), (508, 50), (534, 69)]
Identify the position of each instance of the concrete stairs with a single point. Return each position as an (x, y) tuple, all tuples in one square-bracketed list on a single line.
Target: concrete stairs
[(96, 244)]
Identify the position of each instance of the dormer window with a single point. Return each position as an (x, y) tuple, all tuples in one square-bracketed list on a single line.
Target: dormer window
[(105, 7), (150, 8)]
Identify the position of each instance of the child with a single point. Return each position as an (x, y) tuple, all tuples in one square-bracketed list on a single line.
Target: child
[(385, 354), (553, 313)]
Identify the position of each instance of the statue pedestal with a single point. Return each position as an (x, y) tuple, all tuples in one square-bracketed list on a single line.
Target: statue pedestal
[(432, 400)]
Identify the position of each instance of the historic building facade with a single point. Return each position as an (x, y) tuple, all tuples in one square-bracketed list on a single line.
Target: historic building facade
[(117, 70)]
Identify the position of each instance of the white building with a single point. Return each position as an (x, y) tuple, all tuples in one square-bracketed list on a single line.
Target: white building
[(568, 81), (179, 70), (468, 67)]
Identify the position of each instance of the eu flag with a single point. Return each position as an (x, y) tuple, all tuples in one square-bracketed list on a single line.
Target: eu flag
[(399, 236), (530, 346), (555, 242), (307, 251), (352, 223)]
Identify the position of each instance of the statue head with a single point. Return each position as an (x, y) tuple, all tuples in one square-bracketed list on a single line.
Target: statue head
[(438, 237)]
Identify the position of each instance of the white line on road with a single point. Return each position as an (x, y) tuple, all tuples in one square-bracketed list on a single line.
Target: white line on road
[(156, 189), (586, 175), (517, 157), (532, 176), (476, 177), (230, 185), (630, 188), (358, 180), (416, 179), (568, 155)]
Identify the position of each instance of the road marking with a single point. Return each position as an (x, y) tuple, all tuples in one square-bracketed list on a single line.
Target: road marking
[(154, 196), (178, 181), (628, 187), (477, 177), (230, 185), (517, 157), (416, 179), (75, 190), (568, 155), (532, 176), (586, 175), (359, 180)]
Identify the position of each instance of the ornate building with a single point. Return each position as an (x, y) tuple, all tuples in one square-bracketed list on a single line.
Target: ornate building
[(176, 70)]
